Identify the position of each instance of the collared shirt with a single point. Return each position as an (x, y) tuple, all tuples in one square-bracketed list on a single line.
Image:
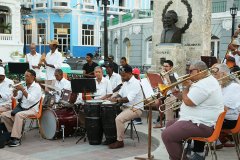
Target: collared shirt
[(34, 95), (231, 95), (34, 60), (207, 96), (115, 80), (62, 84), (6, 91), (132, 90), (103, 88), (53, 59)]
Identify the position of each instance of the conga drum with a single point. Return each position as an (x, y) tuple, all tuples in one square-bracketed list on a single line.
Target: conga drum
[(93, 123), (109, 112)]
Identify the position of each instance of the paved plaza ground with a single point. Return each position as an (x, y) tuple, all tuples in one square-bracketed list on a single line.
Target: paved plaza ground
[(35, 148)]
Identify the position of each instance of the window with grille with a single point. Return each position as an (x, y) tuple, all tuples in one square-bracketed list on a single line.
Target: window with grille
[(28, 34), (87, 34), (41, 32)]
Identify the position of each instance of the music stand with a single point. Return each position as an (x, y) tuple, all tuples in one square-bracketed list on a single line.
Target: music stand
[(18, 68), (83, 85), (209, 60)]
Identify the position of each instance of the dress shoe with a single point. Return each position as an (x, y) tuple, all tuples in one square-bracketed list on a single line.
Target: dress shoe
[(117, 144), (158, 126), (107, 142), (218, 146), (229, 145)]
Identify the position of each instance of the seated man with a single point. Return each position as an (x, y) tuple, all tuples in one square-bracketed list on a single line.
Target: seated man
[(114, 78), (103, 85), (202, 104), (5, 92), (31, 95), (129, 94), (61, 83)]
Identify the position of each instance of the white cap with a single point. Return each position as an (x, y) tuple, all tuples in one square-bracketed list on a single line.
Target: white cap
[(2, 71)]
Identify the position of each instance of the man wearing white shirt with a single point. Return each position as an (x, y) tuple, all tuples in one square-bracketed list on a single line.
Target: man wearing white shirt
[(103, 85), (129, 94), (114, 78), (33, 58), (5, 92), (61, 83), (52, 62), (201, 107), (30, 95)]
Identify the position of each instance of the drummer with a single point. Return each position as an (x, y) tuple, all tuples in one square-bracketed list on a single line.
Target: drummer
[(114, 78), (61, 83), (129, 94), (103, 85)]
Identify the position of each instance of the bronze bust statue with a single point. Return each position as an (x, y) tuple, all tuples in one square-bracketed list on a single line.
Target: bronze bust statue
[(171, 33)]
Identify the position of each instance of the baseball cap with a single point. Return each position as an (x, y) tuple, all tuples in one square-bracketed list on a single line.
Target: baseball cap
[(136, 71), (2, 71), (127, 69)]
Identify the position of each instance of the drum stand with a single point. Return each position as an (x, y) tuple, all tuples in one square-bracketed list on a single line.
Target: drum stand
[(80, 130)]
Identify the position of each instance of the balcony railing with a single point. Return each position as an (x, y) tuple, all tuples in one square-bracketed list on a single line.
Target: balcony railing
[(219, 7), (115, 10), (5, 38)]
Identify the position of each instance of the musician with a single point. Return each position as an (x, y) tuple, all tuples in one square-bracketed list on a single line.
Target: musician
[(61, 83), (202, 104), (52, 62), (30, 95), (115, 66), (114, 78), (129, 94), (103, 85), (33, 58), (232, 58), (123, 61), (231, 94), (88, 68), (5, 92), (171, 98)]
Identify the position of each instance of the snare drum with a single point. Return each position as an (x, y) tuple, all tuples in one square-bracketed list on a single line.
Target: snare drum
[(53, 119)]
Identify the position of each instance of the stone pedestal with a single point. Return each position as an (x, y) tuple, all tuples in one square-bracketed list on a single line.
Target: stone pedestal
[(174, 52)]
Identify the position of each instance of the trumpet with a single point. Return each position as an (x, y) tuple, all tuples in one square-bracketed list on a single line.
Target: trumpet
[(12, 86), (175, 106)]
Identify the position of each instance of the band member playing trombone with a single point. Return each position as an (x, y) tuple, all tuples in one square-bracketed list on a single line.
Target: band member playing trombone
[(169, 76), (231, 94), (5, 92), (129, 94), (88, 68), (202, 104)]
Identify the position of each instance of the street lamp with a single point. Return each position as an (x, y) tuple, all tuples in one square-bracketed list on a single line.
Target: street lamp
[(105, 39), (233, 12), (24, 22), (24, 13)]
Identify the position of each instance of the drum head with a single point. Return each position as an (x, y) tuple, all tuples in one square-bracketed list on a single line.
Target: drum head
[(48, 124)]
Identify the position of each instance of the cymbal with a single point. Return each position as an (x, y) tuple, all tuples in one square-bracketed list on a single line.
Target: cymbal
[(51, 87)]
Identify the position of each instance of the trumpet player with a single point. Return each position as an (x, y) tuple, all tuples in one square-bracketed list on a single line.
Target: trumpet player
[(5, 91), (202, 104), (171, 98)]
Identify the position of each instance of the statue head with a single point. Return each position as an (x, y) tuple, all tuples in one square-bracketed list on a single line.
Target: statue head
[(169, 19)]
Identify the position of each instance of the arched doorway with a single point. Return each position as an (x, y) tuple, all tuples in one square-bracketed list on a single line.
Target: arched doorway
[(115, 49), (149, 50), (127, 48)]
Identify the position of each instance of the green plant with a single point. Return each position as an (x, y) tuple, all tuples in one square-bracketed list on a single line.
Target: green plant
[(6, 28), (16, 54)]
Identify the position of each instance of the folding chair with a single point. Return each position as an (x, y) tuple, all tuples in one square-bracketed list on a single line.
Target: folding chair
[(32, 118), (236, 137), (210, 140)]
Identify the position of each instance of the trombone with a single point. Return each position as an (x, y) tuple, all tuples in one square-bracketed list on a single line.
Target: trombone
[(168, 72)]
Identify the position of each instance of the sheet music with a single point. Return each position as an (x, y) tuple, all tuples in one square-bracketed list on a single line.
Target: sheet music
[(147, 88)]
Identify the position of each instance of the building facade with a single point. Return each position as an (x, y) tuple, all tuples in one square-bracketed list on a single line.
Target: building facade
[(75, 23), (10, 29)]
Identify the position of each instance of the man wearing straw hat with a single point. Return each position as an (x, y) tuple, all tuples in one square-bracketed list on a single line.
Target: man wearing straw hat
[(52, 62)]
